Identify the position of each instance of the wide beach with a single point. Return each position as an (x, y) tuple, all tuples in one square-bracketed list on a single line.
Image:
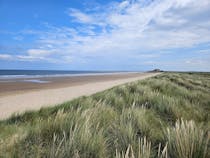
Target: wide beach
[(17, 96)]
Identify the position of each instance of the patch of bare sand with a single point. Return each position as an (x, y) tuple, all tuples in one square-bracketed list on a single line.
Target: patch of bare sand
[(34, 100)]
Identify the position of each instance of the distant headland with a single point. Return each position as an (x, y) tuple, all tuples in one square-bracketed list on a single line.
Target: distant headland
[(156, 70)]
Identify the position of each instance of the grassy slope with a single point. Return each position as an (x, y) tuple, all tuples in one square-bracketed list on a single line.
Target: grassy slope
[(110, 122)]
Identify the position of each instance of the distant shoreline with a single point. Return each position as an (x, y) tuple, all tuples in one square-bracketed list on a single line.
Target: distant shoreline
[(22, 96), (16, 74), (13, 77), (27, 84)]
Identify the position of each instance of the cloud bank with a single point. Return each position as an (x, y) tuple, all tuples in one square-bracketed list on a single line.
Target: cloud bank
[(139, 30)]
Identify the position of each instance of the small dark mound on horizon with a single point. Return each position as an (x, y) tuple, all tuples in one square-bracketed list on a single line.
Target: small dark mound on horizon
[(156, 70)]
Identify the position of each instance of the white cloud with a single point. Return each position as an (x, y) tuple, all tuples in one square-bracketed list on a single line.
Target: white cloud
[(5, 56), (204, 51), (28, 58), (130, 27), (79, 16), (40, 52)]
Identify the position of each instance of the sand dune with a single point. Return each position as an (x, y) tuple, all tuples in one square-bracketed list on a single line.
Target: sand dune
[(35, 99)]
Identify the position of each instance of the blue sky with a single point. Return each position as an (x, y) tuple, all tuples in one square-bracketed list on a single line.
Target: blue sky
[(105, 35)]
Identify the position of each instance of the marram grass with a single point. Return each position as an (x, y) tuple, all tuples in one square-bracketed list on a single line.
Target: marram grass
[(187, 140), (166, 116)]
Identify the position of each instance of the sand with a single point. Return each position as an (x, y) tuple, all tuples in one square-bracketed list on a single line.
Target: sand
[(18, 97)]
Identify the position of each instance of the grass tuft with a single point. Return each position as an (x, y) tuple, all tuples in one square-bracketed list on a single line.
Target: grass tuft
[(187, 139)]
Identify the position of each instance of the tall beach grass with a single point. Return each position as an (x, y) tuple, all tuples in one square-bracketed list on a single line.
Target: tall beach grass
[(166, 116)]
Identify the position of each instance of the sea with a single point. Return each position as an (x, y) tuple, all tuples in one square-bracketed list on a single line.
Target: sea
[(12, 75)]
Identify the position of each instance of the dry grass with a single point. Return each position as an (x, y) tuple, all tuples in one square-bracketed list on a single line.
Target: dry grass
[(134, 120), (187, 140)]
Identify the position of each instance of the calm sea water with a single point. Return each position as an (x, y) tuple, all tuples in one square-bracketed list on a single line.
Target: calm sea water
[(12, 74)]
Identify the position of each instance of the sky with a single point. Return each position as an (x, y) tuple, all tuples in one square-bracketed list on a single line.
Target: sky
[(129, 35)]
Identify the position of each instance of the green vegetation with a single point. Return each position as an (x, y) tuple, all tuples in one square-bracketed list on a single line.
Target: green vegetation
[(164, 116)]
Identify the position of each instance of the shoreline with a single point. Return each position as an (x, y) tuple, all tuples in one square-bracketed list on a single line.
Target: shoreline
[(24, 85), (33, 96), (15, 77)]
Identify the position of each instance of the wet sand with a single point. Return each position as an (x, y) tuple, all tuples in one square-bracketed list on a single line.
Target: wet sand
[(23, 85), (19, 96)]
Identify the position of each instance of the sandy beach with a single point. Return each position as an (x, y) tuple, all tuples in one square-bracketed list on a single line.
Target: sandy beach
[(17, 97)]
